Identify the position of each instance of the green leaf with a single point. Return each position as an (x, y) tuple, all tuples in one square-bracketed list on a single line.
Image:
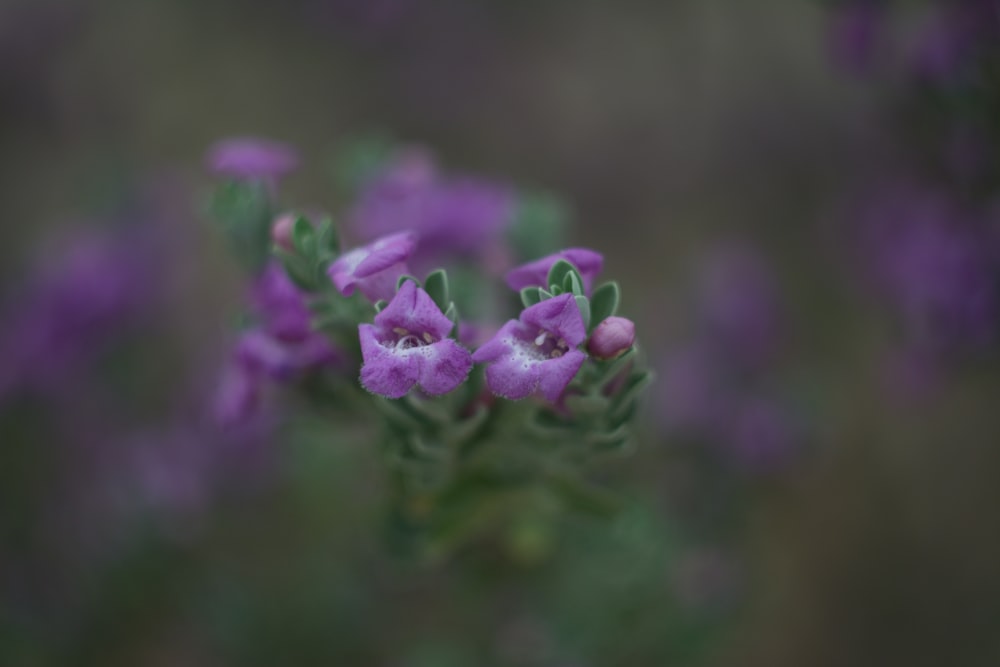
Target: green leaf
[(380, 305), (584, 304), (539, 225), (558, 273), (573, 282), (604, 302), (436, 285), (587, 405), (403, 278), (327, 238), (544, 294), (530, 296), (298, 271), (304, 238)]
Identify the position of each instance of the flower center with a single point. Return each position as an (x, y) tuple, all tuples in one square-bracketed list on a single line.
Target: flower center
[(408, 340), (550, 345)]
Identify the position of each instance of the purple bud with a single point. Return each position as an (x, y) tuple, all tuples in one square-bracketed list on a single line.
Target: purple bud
[(281, 231), (612, 338)]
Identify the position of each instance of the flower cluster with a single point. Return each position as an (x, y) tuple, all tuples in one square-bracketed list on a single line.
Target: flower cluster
[(381, 315)]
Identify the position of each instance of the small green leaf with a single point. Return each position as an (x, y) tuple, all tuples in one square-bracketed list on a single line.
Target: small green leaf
[(436, 286), (403, 278), (604, 303), (544, 294), (573, 282), (327, 238), (530, 296), (380, 305), (556, 290), (304, 237), (452, 314), (558, 272), (586, 405), (297, 270), (584, 304)]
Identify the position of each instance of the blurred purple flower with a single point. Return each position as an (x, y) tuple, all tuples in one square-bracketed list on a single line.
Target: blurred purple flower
[(536, 352), (936, 263), (409, 344), (280, 347), (737, 304), (453, 217), (88, 290), (535, 274), (248, 158), (375, 268), (951, 37)]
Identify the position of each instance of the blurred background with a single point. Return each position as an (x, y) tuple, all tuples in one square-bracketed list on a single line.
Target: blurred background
[(798, 197)]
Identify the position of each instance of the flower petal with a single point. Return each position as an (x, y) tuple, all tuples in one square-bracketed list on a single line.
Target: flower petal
[(559, 316), (444, 366), (535, 274), (514, 377), (385, 252), (385, 371), (555, 374), (413, 309)]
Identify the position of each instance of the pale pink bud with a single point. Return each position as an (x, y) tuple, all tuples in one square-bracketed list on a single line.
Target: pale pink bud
[(611, 338), (281, 231)]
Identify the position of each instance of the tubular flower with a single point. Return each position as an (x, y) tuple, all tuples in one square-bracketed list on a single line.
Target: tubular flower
[(408, 345), (536, 352), (374, 268), (535, 274)]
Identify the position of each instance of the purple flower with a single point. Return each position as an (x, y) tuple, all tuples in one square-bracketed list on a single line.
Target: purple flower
[(374, 268), (535, 274), (409, 344), (80, 301), (237, 397), (453, 217), (247, 158), (537, 352), (279, 305), (933, 262)]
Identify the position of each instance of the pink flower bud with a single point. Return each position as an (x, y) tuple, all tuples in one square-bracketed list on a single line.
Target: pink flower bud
[(611, 338), (281, 231)]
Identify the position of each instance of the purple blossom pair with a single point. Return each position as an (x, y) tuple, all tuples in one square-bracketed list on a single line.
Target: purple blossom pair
[(538, 352)]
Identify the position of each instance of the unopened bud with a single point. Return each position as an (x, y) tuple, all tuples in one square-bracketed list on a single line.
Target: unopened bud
[(611, 338), (281, 231)]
